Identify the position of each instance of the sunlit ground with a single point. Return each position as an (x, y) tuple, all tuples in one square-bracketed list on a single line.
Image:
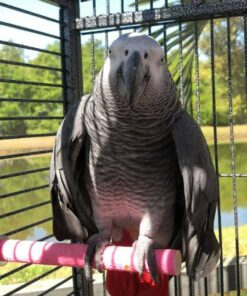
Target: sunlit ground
[(223, 136)]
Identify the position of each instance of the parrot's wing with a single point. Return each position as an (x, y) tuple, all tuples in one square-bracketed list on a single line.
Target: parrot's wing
[(71, 205), (200, 247)]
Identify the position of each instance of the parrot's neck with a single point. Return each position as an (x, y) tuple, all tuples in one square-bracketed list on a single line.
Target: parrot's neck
[(113, 108)]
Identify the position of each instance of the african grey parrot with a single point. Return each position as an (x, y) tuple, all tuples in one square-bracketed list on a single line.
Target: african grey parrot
[(128, 157)]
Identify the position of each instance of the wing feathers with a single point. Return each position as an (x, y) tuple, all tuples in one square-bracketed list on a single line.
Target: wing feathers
[(201, 249), (72, 215)]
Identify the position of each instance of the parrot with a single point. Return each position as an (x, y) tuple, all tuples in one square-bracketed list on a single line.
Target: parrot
[(128, 159)]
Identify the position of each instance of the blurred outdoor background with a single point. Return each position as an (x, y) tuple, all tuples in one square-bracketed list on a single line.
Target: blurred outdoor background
[(197, 99)]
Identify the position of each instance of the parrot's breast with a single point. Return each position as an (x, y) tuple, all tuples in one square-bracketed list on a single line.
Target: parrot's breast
[(131, 169)]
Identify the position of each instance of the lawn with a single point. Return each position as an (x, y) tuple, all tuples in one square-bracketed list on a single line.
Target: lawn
[(232, 293), (228, 241), (17, 145), (31, 272), (223, 133)]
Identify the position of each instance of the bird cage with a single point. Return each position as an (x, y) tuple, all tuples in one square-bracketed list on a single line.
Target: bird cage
[(63, 45)]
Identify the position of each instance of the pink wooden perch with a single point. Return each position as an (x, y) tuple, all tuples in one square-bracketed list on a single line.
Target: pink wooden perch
[(63, 254)]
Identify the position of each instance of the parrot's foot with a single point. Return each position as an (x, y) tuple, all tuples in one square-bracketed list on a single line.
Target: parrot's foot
[(96, 247), (145, 248), (117, 234)]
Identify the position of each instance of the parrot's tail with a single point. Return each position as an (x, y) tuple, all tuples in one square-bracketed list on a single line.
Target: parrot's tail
[(205, 258)]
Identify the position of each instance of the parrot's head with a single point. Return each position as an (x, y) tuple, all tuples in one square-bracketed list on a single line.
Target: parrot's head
[(136, 69)]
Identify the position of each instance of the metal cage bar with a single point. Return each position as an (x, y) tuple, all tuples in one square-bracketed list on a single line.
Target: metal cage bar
[(33, 160), (245, 52), (29, 65), (10, 194), (216, 157), (43, 101), (11, 175), (25, 209), (27, 136), (185, 12), (181, 68), (27, 226), (72, 80), (31, 82), (55, 286), (29, 12), (232, 150), (8, 156), (13, 44), (32, 281), (10, 25), (31, 118)]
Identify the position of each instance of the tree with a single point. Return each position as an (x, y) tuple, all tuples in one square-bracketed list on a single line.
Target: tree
[(182, 39), (180, 43), (9, 90), (221, 69), (23, 91), (46, 93)]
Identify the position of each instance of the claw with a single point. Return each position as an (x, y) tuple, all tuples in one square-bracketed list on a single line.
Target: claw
[(145, 247), (100, 248), (96, 247)]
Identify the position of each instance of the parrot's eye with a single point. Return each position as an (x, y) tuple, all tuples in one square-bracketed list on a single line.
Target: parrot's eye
[(126, 52), (145, 55), (109, 52), (162, 60)]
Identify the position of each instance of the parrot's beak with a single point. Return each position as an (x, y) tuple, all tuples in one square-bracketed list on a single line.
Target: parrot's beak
[(133, 70)]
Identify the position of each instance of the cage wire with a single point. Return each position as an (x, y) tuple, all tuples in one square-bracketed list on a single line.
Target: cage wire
[(66, 68)]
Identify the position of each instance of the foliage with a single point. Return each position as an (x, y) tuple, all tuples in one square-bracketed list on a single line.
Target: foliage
[(222, 73), (180, 46), (183, 41), (180, 40), (51, 93), (26, 91), (8, 90)]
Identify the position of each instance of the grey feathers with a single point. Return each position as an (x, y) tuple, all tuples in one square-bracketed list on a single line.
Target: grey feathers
[(128, 157), (72, 215), (200, 247)]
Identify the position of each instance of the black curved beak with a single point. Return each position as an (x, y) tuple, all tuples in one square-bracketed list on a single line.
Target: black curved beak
[(132, 75)]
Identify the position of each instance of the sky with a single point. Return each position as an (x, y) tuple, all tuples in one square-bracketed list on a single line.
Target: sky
[(22, 37), (37, 6)]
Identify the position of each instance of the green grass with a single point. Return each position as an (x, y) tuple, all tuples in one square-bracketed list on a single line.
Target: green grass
[(223, 134), (31, 272), (16, 145), (228, 241), (232, 293), (12, 146)]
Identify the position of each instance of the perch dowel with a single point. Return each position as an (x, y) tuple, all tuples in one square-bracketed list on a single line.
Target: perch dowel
[(64, 254)]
